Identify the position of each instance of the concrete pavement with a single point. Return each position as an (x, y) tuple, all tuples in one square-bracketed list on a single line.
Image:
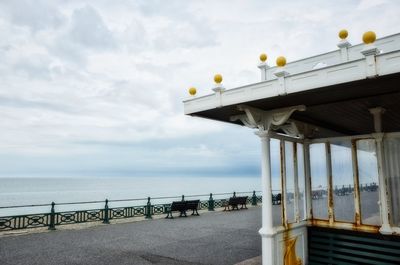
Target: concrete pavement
[(212, 238)]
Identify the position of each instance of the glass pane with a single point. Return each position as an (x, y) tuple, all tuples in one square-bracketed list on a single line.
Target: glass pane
[(368, 180), (301, 182), (289, 182), (319, 184), (276, 181), (342, 181), (392, 158)]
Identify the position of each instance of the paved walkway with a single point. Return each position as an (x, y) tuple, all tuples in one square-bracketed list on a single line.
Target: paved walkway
[(212, 238)]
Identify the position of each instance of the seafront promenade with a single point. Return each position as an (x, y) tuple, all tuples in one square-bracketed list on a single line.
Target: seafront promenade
[(212, 238)]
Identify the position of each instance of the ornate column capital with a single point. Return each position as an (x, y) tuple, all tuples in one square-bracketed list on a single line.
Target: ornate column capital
[(263, 134), (265, 120)]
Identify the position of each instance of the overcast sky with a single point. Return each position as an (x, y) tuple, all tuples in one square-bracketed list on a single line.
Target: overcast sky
[(96, 87)]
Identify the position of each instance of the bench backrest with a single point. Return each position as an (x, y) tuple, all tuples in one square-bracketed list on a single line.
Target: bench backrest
[(242, 200), (233, 200), (178, 206), (192, 205), (238, 200)]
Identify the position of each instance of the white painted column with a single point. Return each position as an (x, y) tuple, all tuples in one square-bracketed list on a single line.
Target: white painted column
[(331, 212), (296, 184), (218, 89), (308, 189), (370, 51), (344, 46), (266, 231), (357, 202), (284, 200), (383, 196), (281, 74), (263, 69)]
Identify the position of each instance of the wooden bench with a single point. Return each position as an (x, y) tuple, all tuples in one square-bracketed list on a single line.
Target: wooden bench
[(193, 205), (182, 207), (234, 202)]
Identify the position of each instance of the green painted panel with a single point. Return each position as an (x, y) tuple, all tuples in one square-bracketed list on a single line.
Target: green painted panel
[(334, 246)]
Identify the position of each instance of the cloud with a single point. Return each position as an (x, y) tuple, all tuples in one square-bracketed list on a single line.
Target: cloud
[(89, 30), (97, 87), (367, 4), (33, 14), (184, 34), (134, 37)]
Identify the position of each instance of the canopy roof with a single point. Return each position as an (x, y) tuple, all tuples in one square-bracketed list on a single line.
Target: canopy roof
[(337, 96)]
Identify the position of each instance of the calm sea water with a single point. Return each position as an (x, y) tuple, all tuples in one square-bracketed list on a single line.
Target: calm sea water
[(23, 191)]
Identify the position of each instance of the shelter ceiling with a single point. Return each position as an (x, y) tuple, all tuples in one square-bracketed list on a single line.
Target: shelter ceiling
[(342, 108)]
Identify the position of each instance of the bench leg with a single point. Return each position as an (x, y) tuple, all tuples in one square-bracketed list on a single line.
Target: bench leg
[(169, 216), (183, 214), (195, 212)]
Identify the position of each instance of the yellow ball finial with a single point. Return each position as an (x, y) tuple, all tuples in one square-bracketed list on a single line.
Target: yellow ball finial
[(192, 91), (369, 37), (218, 78), (343, 34), (281, 61), (263, 57)]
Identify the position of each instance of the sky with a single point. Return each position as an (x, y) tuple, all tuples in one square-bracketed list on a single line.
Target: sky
[(95, 88)]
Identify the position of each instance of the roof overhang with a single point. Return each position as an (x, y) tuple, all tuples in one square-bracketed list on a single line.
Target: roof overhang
[(337, 97)]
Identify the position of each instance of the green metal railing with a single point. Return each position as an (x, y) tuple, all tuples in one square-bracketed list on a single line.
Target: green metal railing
[(55, 218)]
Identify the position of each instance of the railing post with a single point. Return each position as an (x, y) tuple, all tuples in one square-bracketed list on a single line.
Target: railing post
[(106, 217), (211, 203), (234, 194), (148, 209), (183, 197), (254, 199), (52, 225)]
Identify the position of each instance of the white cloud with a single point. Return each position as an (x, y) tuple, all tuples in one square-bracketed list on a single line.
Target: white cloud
[(367, 4), (33, 14), (89, 30), (76, 75)]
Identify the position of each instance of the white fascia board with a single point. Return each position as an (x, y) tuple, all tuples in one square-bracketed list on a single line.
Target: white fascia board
[(386, 63)]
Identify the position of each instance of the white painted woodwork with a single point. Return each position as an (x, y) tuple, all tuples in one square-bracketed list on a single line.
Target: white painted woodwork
[(300, 76)]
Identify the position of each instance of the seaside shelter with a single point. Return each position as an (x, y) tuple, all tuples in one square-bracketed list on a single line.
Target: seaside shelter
[(329, 130)]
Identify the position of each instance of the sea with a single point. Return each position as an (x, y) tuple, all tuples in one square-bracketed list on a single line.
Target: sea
[(20, 191)]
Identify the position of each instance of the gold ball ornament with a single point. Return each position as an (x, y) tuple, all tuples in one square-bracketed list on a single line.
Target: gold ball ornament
[(369, 37), (343, 34), (192, 91), (281, 61), (263, 57), (218, 78)]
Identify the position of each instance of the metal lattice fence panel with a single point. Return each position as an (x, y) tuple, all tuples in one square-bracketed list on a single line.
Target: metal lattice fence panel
[(203, 205), (53, 218), (24, 221)]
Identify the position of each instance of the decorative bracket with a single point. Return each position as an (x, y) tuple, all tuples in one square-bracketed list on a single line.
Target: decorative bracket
[(266, 120)]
